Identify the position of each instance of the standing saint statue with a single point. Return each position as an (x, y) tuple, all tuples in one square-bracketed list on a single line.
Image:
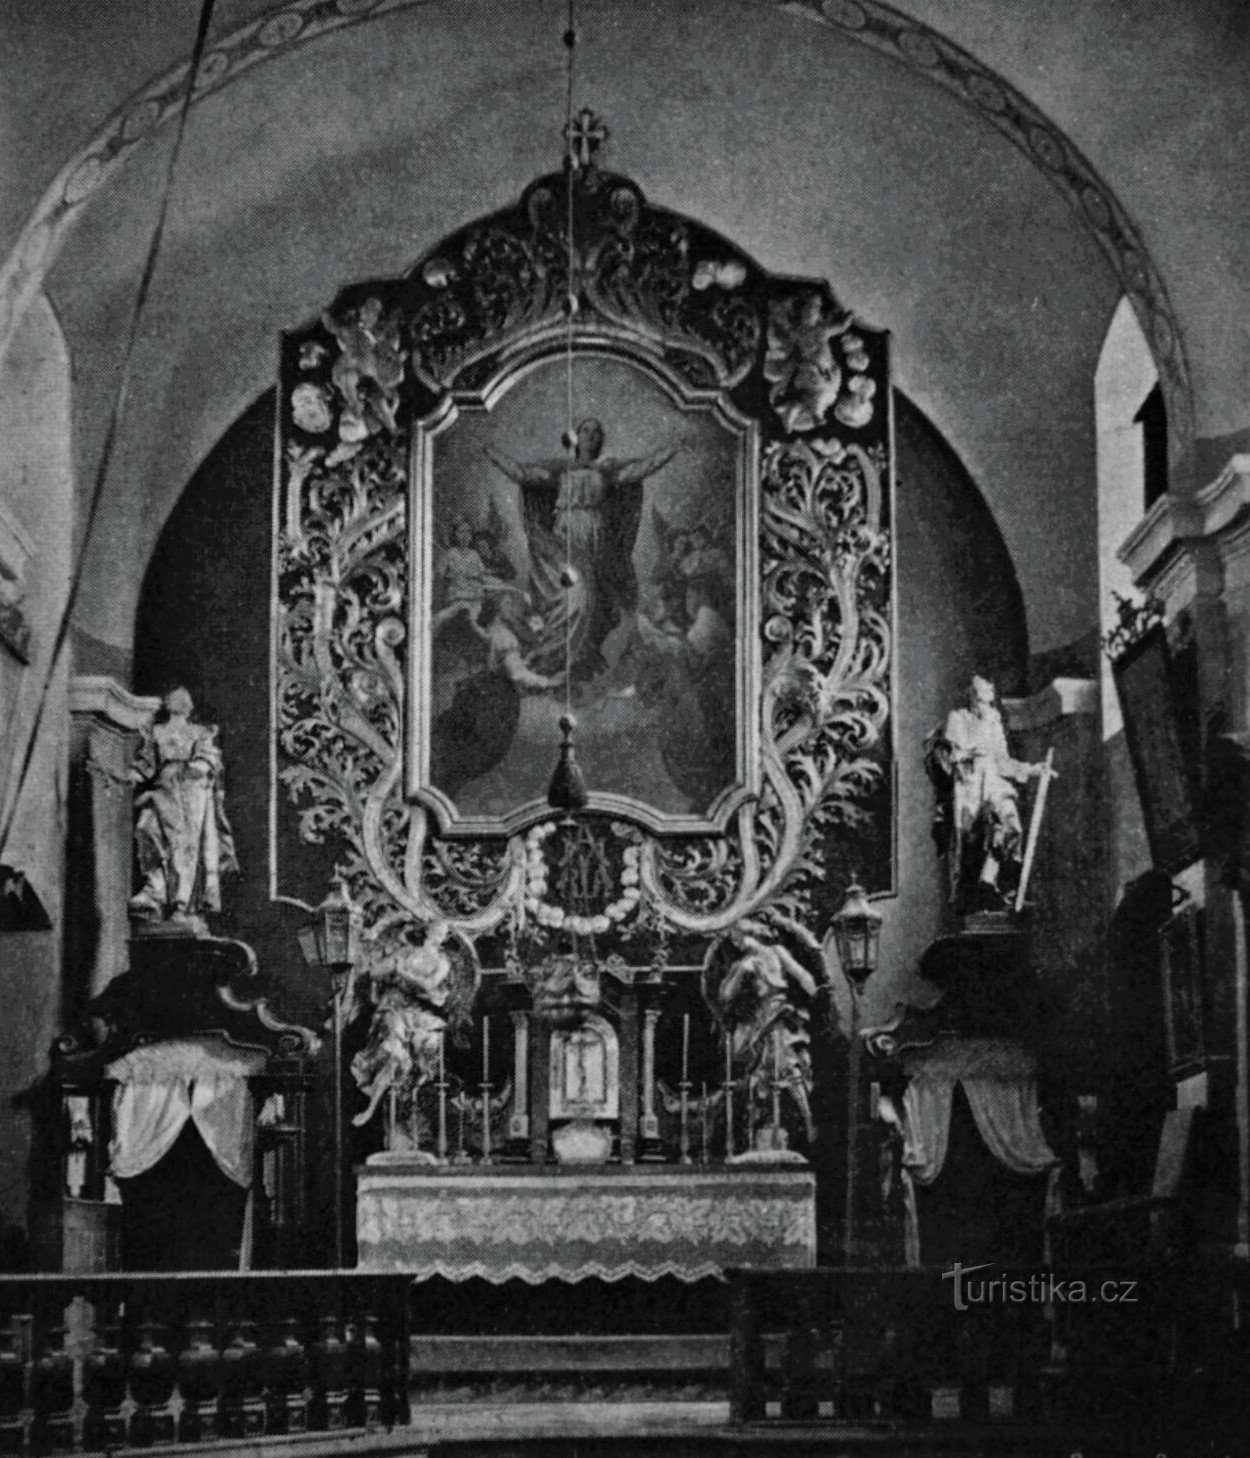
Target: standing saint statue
[(977, 821), (182, 837), (581, 512)]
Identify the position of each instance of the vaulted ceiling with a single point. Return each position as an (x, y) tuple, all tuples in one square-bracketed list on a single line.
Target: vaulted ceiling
[(915, 168)]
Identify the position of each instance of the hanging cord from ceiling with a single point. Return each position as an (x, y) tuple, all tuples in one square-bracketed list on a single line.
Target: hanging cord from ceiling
[(114, 421)]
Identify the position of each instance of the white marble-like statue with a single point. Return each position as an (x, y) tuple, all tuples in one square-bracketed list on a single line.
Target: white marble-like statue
[(412, 987), (978, 816), (763, 999), (182, 836)]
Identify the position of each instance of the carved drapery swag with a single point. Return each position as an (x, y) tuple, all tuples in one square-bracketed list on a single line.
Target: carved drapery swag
[(784, 399)]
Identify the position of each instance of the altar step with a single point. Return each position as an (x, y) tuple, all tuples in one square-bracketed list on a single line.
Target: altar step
[(671, 1370)]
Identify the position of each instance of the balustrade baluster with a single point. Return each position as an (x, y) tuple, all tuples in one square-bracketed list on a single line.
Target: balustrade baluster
[(12, 1393), (287, 1405), (199, 1381), (104, 1391), (372, 1362), (151, 1371), (329, 1375), (243, 1383), (53, 1394)]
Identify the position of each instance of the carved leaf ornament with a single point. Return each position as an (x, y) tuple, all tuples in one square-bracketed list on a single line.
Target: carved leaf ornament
[(654, 288)]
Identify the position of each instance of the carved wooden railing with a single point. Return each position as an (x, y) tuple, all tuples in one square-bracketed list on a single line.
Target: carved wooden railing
[(1151, 1350), (95, 1363)]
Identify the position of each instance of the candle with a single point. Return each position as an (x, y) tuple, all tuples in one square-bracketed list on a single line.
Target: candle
[(685, 1047), (729, 1060), (776, 1058), (486, 1050), (442, 1057)]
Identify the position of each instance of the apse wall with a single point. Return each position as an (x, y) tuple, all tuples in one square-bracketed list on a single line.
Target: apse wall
[(203, 621)]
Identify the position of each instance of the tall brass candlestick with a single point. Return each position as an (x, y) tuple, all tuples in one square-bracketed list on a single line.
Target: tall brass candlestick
[(684, 1140), (776, 1083), (442, 1097), (729, 1096)]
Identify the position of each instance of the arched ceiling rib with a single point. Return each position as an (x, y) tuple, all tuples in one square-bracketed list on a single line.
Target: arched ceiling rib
[(869, 22)]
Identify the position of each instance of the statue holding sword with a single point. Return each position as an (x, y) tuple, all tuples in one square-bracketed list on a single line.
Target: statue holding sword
[(977, 822)]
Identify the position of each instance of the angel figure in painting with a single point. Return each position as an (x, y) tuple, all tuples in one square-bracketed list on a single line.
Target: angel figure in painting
[(182, 836), (760, 1000), (977, 821), (412, 987), (582, 513), (462, 578)]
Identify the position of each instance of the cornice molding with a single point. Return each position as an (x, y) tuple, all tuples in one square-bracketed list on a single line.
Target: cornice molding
[(1060, 699), (1177, 525), (104, 698)]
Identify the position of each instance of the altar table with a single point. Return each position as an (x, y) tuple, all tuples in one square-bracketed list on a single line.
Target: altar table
[(606, 1222)]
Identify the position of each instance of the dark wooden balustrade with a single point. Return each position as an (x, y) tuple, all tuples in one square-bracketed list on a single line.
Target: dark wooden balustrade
[(95, 1363), (1149, 1350)]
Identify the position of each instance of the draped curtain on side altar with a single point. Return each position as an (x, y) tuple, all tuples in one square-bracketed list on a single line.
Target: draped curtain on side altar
[(999, 1081), (183, 1134)]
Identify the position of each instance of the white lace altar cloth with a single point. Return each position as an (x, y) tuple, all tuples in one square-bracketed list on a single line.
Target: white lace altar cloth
[(610, 1222)]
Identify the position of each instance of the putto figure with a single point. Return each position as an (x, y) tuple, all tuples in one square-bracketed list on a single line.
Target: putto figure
[(977, 820), (182, 836)]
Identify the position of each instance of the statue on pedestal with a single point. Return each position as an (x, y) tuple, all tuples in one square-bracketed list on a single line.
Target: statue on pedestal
[(182, 836), (977, 819)]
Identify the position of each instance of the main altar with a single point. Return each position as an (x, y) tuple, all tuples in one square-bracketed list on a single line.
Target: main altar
[(582, 697), (608, 1222)]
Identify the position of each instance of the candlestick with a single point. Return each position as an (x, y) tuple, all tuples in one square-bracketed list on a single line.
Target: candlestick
[(685, 1046), (487, 1156), (684, 1140), (776, 1090), (729, 1096), (442, 1097)]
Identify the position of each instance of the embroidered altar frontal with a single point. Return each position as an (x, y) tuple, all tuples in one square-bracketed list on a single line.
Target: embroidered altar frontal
[(606, 1223)]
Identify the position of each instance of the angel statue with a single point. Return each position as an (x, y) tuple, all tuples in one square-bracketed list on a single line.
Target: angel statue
[(412, 988), (977, 819), (182, 836), (582, 513), (759, 999)]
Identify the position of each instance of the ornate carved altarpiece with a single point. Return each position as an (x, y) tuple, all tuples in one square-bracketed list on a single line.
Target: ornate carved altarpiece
[(586, 456), (732, 623)]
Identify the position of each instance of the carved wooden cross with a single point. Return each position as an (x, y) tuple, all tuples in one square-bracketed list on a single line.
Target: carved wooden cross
[(585, 134)]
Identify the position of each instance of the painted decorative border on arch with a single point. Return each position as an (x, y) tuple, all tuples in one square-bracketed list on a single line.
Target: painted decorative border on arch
[(870, 22), (903, 39)]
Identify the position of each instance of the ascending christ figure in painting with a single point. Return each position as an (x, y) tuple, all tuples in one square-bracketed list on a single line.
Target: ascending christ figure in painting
[(583, 512)]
